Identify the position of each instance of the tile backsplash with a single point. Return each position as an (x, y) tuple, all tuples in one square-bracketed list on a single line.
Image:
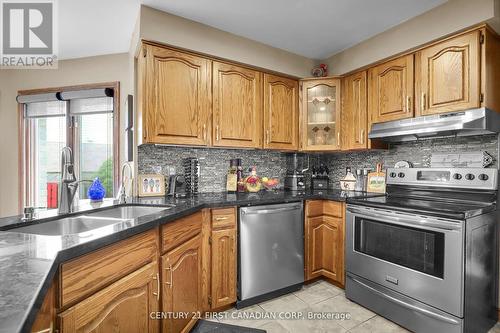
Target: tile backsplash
[(214, 163), (417, 152)]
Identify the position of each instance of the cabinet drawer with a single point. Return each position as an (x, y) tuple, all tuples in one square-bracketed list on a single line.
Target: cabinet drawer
[(224, 218), (87, 274), (324, 207), (176, 233), (333, 208)]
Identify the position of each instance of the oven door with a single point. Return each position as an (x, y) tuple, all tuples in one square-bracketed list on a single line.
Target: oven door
[(418, 256)]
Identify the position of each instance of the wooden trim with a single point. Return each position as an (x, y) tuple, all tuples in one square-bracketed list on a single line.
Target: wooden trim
[(20, 158), (112, 84)]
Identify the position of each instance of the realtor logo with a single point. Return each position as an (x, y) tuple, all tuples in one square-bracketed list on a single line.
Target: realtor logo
[(28, 32)]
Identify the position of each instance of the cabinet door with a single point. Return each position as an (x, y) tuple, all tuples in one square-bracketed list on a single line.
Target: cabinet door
[(320, 115), (223, 267), (390, 89), (281, 116), (124, 306), (325, 248), (355, 112), (447, 75), (177, 99), (237, 108), (182, 284)]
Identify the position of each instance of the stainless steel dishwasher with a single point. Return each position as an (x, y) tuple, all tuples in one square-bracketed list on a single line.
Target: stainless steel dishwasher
[(271, 252)]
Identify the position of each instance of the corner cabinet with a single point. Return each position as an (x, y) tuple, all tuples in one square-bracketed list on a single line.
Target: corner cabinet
[(448, 75), (390, 88), (237, 106), (175, 97), (281, 113), (320, 124), (124, 306)]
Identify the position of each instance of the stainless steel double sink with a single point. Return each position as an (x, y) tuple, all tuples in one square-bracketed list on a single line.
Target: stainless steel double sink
[(92, 220)]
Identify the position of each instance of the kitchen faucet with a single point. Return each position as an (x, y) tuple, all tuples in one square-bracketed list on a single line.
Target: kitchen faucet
[(122, 192), (69, 184)]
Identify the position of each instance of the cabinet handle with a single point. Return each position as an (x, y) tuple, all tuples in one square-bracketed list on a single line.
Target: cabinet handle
[(362, 137), (338, 139), (221, 218), (217, 132), (423, 101), (157, 293), (267, 135), (408, 104), (205, 132), (170, 282)]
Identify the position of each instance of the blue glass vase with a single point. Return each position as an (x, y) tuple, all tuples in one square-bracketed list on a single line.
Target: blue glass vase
[(96, 191)]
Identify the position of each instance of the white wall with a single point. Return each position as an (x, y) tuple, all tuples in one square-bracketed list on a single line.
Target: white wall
[(446, 19), (166, 28), (106, 68)]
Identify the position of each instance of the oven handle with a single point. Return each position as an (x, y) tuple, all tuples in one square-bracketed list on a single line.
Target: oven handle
[(428, 223), (407, 305)]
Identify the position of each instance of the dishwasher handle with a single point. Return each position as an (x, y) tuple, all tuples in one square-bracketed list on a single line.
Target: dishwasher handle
[(270, 210)]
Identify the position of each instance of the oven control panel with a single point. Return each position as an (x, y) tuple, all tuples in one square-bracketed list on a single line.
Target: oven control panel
[(485, 179)]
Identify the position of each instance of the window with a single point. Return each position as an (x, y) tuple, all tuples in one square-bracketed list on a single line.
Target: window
[(86, 121)]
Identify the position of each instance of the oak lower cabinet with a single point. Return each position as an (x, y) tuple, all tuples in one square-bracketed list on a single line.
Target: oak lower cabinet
[(391, 87), (281, 113), (324, 237), (181, 272), (224, 257), (174, 105), (124, 306), (237, 106), (181, 285)]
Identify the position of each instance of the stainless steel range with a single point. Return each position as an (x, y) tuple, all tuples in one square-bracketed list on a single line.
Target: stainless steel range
[(425, 255)]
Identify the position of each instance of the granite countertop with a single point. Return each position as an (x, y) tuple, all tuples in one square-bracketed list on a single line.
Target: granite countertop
[(29, 262)]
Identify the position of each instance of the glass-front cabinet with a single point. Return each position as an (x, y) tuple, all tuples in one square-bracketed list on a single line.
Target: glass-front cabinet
[(320, 115)]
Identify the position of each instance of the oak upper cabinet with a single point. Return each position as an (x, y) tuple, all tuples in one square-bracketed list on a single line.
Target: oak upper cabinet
[(124, 306), (281, 113), (324, 237), (237, 106), (224, 257), (355, 112), (175, 97), (320, 114), (390, 87), (448, 75)]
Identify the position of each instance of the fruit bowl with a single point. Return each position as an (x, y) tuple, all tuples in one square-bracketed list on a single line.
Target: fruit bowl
[(271, 183)]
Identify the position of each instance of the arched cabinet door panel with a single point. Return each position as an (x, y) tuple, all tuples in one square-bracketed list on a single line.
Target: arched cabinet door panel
[(391, 90), (448, 75), (124, 306), (237, 106), (181, 284), (177, 97)]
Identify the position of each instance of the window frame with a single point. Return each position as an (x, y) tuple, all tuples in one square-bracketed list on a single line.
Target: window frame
[(24, 138)]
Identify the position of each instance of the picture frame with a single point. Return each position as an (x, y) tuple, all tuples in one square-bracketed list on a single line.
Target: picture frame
[(151, 185)]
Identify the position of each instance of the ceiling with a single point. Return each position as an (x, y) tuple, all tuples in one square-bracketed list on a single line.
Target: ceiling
[(315, 29)]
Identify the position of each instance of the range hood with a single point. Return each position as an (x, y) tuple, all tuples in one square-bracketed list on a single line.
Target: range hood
[(479, 121)]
